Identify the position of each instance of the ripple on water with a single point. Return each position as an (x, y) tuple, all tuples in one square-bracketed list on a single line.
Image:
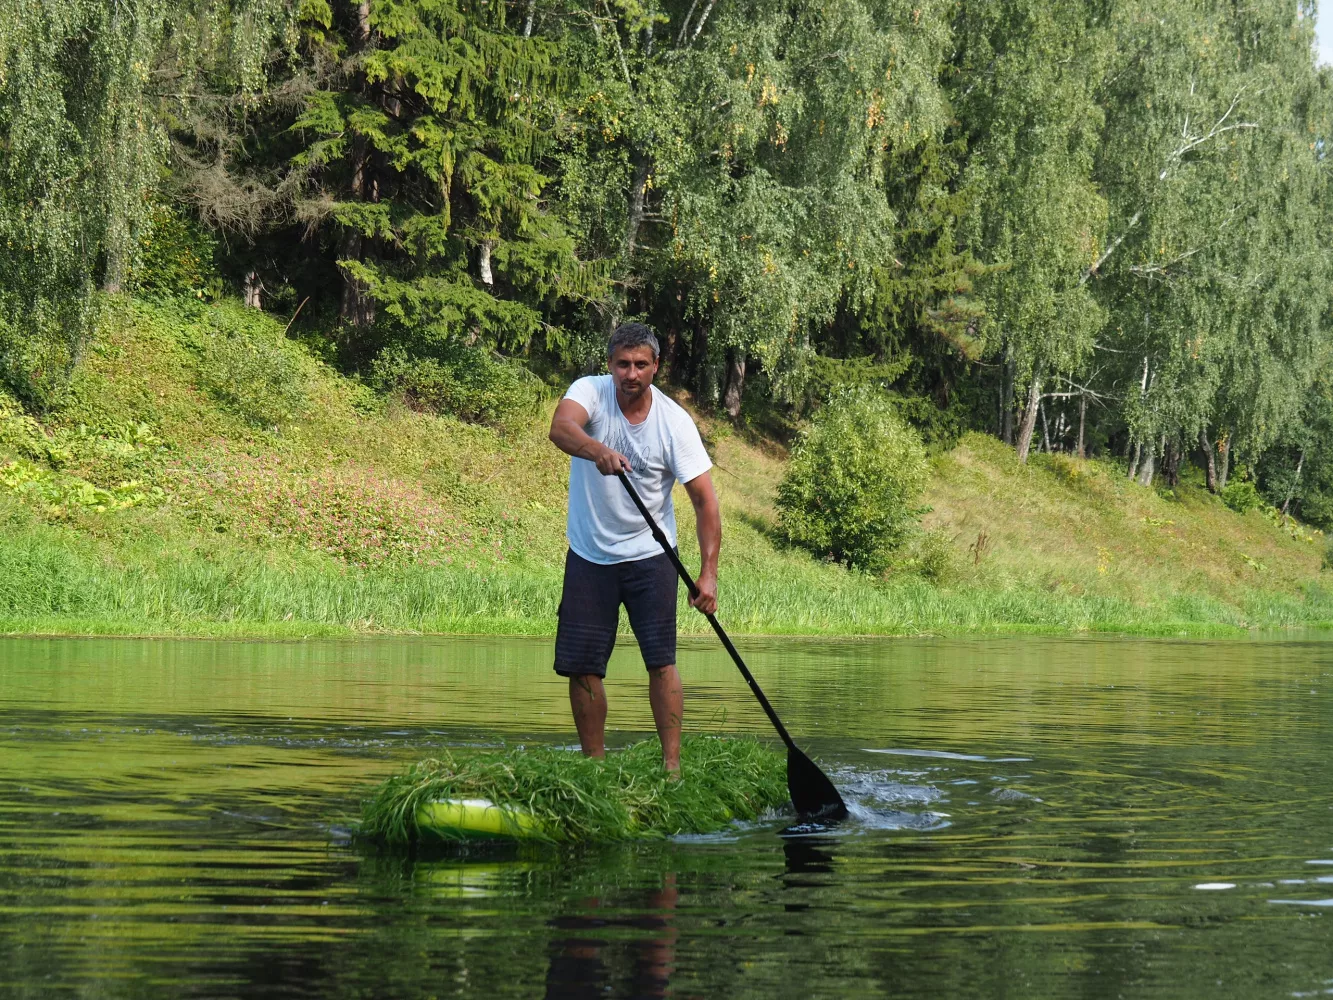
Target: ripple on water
[(867, 818), (1012, 795), (948, 755)]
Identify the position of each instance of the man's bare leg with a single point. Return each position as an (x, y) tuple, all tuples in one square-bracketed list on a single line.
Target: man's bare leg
[(587, 697), (664, 694)]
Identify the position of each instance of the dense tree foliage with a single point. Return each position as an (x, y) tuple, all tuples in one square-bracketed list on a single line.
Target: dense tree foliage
[(1092, 227), (79, 148)]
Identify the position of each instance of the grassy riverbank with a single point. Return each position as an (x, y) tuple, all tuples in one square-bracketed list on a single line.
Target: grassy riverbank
[(161, 499)]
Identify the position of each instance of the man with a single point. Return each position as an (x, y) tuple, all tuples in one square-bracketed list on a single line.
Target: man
[(610, 423)]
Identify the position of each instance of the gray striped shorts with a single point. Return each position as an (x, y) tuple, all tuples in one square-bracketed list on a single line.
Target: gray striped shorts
[(590, 612)]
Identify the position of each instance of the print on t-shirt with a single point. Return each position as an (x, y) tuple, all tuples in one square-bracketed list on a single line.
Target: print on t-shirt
[(618, 439)]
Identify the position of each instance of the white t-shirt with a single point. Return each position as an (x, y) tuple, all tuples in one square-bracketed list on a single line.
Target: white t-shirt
[(604, 525)]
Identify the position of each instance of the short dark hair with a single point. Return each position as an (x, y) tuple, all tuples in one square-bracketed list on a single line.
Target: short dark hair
[(633, 335)]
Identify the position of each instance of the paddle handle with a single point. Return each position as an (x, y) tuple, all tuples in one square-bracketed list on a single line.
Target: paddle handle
[(712, 620)]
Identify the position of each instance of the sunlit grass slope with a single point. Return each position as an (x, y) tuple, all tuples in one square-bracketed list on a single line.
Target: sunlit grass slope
[(208, 476)]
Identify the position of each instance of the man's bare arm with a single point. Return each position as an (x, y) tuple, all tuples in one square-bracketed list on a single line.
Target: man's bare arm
[(708, 526), (568, 435)]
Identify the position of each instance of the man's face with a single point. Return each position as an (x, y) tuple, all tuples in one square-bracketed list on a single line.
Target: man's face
[(633, 369)]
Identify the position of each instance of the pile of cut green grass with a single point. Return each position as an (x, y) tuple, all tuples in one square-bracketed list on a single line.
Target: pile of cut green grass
[(626, 796)]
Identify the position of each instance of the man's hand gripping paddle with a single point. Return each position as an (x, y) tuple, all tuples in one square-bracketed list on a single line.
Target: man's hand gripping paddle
[(812, 793)]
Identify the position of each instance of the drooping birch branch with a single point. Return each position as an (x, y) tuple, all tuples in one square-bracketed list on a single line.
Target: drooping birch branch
[(620, 51), (1188, 143)]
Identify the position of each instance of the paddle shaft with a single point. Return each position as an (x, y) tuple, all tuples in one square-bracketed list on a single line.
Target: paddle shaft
[(712, 620)]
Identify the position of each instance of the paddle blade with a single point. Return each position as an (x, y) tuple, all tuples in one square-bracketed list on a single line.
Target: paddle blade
[(812, 793)]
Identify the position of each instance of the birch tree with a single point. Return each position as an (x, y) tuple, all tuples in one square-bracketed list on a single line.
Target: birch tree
[(764, 207), (80, 151), (1212, 274), (1023, 82)]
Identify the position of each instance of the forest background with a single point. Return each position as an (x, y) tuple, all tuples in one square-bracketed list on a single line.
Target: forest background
[(1083, 228)]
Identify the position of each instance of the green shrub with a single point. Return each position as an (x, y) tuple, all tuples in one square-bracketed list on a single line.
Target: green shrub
[(855, 477), (1241, 496), (40, 344), (471, 384), (1075, 472), (1316, 507), (940, 429), (19, 432), (245, 364), (933, 556), (175, 255), (58, 492)]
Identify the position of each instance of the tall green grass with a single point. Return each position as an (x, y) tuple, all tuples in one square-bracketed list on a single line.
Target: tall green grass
[(53, 581)]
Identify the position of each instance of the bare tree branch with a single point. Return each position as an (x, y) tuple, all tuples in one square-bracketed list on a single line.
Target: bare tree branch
[(1146, 269), (685, 25), (1115, 243), (703, 19)]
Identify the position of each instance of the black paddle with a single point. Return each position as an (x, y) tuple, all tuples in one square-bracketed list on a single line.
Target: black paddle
[(812, 793)]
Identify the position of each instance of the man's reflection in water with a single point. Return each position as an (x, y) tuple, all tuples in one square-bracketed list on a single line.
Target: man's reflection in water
[(584, 964), (807, 856)]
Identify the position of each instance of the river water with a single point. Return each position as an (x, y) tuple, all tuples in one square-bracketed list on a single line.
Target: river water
[(1033, 817)]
